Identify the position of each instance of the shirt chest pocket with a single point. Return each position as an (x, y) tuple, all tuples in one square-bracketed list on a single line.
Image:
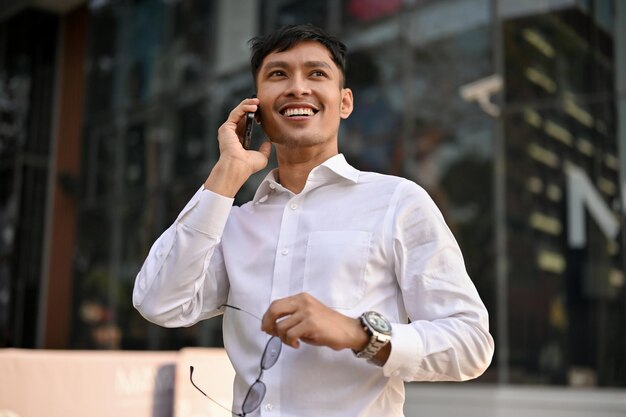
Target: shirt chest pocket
[(334, 270)]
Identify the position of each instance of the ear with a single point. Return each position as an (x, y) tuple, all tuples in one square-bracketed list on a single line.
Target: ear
[(347, 103)]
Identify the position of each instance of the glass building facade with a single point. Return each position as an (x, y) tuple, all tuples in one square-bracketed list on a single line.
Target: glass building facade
[(566, 298), (510, 113)]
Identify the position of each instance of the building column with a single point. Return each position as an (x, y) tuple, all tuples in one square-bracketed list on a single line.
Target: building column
[(57, 280)]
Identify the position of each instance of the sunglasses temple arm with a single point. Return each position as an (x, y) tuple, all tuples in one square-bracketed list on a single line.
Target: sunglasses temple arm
[(203, 393), (242, 310)]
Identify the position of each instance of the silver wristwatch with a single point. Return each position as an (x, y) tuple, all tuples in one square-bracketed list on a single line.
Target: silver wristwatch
[(379, 330)]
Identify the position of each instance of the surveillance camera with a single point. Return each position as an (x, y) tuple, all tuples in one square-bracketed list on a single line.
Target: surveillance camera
[(483, 88), (481, 91)]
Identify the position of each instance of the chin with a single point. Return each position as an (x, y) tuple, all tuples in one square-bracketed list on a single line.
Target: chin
[(295, 142)]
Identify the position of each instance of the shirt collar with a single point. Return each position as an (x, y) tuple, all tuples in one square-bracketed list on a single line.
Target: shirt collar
[(333, 168)]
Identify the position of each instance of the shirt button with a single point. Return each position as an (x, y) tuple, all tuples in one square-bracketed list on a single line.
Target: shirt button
[(294, 206), (269, 407), (272, 186), (285, 251)]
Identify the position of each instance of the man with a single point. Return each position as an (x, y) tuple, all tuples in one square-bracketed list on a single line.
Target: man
[(320, 245)]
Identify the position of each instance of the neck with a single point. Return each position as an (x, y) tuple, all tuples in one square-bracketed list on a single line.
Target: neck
[(295, 165)]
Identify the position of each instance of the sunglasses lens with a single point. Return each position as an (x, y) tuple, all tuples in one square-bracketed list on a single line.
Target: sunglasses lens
[(255, 395), (271, 353)]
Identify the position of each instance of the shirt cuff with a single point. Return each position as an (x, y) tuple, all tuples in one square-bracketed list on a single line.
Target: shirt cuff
[(210, 214), (406, 346)]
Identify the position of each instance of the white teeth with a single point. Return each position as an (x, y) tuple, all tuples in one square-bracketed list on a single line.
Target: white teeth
[(299, 112)]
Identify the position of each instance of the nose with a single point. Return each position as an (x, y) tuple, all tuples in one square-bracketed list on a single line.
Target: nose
[(298, 86)]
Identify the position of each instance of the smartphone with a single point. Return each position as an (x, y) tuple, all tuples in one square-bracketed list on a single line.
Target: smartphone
[(247, 136)]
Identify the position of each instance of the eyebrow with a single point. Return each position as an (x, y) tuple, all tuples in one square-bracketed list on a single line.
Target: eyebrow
[(308, 64)]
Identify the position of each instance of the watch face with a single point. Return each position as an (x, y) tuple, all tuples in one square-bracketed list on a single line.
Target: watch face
[(378, 322)]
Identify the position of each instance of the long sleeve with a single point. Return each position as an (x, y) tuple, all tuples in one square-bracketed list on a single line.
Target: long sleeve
[(183, 280), (448, 337)]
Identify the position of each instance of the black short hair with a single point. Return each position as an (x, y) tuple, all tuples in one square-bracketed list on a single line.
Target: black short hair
[(287, 37)]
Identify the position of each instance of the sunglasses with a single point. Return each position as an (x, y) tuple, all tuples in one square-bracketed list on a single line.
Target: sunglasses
[(256, 392)]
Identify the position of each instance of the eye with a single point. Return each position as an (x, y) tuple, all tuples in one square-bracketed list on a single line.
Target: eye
[(276, 73), (318, 73)]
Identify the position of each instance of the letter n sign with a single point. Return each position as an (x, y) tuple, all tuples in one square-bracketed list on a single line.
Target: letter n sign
[(582, 194)]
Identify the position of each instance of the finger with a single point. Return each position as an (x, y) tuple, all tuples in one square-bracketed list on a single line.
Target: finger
[(266, 149), (284, 327), (297, 333), (277, 309), (270, 326), (261, 158), (289, 330), (246, 106)]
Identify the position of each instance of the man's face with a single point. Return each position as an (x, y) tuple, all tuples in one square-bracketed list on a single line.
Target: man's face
[(301, 99)]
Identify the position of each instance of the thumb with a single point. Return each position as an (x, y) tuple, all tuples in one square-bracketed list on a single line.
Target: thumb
[(261, 158), (266, 149)]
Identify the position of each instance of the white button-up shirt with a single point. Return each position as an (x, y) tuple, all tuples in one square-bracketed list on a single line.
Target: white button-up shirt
[(356, 241)]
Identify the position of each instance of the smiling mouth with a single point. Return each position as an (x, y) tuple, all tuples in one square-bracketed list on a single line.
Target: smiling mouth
[(298, 112)]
